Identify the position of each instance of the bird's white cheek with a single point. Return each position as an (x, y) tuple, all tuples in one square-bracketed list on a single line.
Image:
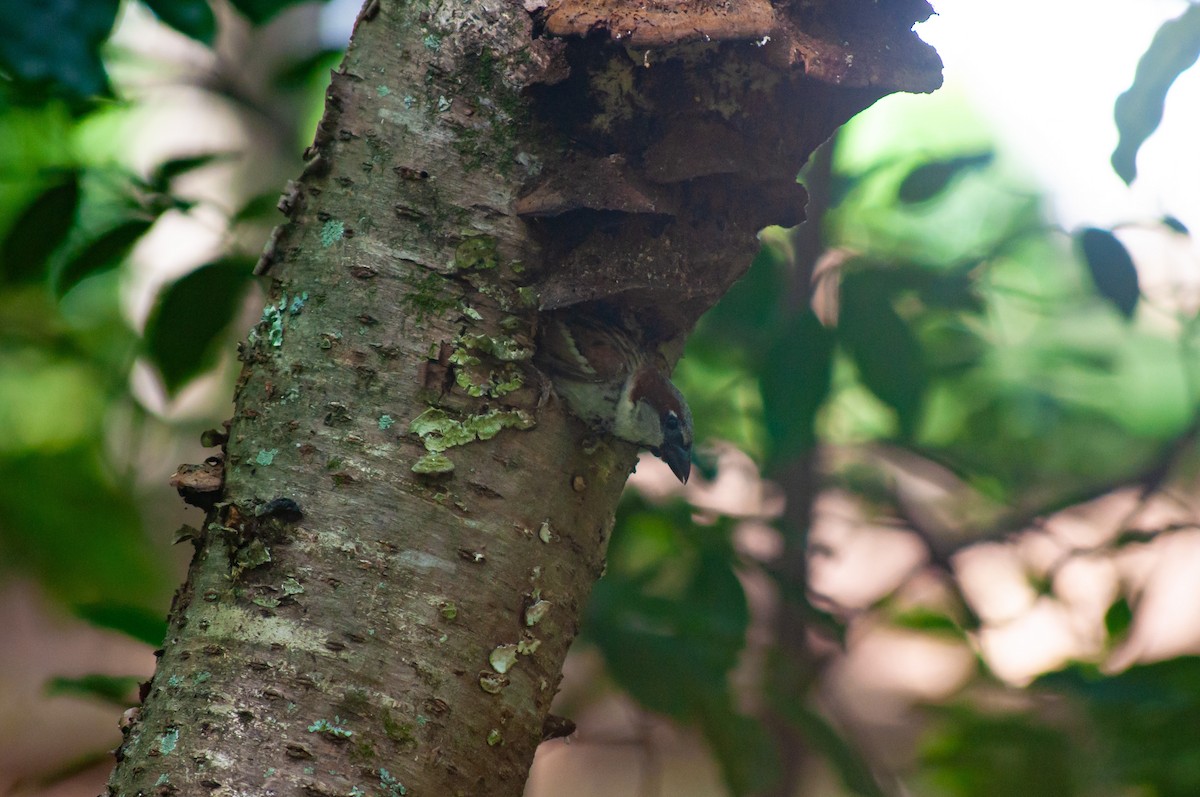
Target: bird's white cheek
[(638, 423)]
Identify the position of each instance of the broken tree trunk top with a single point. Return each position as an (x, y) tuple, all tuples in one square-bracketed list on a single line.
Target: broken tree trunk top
[(836, 41)]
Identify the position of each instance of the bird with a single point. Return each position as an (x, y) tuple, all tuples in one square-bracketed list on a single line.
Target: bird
[(609, 380)]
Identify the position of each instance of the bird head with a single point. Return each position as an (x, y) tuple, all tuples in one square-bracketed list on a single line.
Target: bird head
[(652, 413), (609, 381)]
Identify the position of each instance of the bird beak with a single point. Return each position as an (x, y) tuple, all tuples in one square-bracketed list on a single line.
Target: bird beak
[(678, 458)]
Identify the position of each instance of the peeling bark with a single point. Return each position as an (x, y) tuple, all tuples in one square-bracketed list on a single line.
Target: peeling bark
[(383, 595)]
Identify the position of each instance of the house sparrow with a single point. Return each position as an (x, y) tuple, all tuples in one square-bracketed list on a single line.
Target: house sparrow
[(609, 381)]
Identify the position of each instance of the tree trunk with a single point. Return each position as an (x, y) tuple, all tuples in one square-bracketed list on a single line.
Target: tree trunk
[(391, 573)]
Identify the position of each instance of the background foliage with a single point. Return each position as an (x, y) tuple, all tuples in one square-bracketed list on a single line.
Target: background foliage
[(930, 347)]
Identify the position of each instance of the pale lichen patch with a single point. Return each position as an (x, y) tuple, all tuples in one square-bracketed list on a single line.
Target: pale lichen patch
[(439, 431), (433, 463), (332, 232), (503, 658)]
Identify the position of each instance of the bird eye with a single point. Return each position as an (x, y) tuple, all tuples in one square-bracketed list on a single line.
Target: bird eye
[(671, 422)]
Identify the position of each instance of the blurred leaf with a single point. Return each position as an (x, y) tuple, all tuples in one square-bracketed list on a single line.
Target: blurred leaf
[(1139, 109), (192, 18), (1174, 224), (972, 753), (299, 73), (27, 317), (927, 621), (259, 11), (742, 747), (1041, 583), (63, 522), (725, 400), (1133, 537), (119, 690), (748, 313), (885, 350), (951, 289), (843, 184), (39, 146), (56, 44), (1168, 685), (263, 207), (794, 380), (827, 624), (1112, 269), (184, 330), (103, 253), (932, 178), (706, 462), (39, 230), (1143, 724), (670, 653), (854, 770), (165, 172), (1118, 619), (48, 402), (951, 344), (670, 617), (144, 625)]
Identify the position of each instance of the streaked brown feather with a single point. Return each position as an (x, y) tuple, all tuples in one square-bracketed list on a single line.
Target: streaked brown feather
[(586, 350)]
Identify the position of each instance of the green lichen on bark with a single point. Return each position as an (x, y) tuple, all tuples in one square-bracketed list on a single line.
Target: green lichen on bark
[(439, 431), (490, 135), (433, 463), (428, 294), (476, 252), (332, 232), (503, 348)]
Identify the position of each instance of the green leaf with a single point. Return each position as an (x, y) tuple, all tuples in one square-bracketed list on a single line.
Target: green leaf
[(144, 625), (48, 401), (165, 172), (888, 355), (259, 208), (746, 753), (928, 180), (39, 230), (300, 73), (670, 617), (1139, 109), (928, 621), (670, 614), (1133, 537), (1174, 224), (1118, 618), (119, 690), (1173, 684), (65, 523), (185, 329), (849, 763), (971, 753), (670, 653), (1142, 722), (749, 310), (259, 11), (844, 184), (56, 44), (192, 18), (794, 380), (1112, 269), (103, 253)]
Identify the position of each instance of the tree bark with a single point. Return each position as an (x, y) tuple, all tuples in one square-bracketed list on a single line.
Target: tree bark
[(409, 524)]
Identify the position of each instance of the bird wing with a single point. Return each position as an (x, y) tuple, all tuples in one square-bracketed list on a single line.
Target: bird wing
[(578, 348)]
